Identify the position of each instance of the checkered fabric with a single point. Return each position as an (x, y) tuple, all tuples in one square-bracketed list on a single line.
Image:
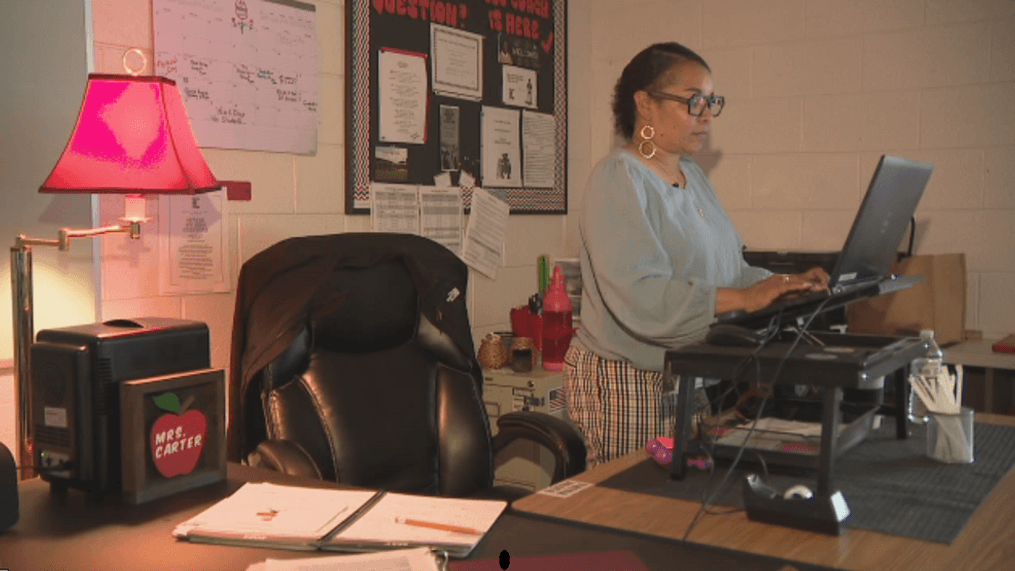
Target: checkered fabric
[(617, 407)]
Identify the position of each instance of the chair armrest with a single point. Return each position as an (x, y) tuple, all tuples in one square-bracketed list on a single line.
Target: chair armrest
[(561, 438), (284, 456)]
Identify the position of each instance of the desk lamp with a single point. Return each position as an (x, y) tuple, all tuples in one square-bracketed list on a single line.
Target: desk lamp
[(132, 137)]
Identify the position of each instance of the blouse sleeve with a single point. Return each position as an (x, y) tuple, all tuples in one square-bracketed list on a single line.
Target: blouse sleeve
[(750, 275), (633, 272)]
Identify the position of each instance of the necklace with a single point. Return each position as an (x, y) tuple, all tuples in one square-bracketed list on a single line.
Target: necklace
[(675, 175), (679, 181)]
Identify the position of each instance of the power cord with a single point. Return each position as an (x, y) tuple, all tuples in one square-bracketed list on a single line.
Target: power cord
[(743, 446)]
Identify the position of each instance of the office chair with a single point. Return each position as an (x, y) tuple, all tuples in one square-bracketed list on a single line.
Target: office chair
[(353, 361)]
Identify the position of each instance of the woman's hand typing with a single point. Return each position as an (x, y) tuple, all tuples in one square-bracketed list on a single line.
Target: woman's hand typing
[(769, 290)]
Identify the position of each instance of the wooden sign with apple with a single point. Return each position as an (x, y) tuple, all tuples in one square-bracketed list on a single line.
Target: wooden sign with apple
[(172, 433), (178, 436)]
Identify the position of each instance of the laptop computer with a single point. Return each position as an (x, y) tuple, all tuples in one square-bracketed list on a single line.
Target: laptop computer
[(863, 267)]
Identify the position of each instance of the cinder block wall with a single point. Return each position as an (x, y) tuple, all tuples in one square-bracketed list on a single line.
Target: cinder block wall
[(817, 90)]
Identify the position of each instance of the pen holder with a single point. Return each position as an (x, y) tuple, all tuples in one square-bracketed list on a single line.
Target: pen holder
[(521, 360), (950, 436)]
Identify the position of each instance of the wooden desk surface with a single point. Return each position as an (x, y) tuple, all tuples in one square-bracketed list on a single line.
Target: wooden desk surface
[(73, 531), (986, 542)]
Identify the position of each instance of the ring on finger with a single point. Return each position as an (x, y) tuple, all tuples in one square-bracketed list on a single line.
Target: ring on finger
[(785, 278)]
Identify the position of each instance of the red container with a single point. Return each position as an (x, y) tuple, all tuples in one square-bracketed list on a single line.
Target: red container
[(536, 327), (521, 321), (557, 324)]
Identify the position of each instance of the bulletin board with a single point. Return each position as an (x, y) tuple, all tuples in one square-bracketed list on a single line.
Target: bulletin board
[(468, 93)]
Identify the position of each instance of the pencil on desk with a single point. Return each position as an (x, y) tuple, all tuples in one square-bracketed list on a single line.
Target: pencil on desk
[(439, 526)]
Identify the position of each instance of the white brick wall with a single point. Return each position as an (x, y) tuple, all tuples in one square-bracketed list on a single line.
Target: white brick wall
[(817, 90)]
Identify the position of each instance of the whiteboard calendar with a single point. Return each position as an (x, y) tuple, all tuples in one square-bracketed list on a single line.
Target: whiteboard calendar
[(247, 70)]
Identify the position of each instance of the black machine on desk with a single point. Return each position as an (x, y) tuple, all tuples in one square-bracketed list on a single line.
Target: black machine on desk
[(76, 375)]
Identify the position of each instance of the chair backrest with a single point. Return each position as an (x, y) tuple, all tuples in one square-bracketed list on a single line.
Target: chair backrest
[(373, 390)]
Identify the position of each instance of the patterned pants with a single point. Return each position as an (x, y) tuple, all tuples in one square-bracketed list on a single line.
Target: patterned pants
[(616, 406)]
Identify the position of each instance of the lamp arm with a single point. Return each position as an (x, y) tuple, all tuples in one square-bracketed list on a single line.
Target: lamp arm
[(64, 235), (132, 227)]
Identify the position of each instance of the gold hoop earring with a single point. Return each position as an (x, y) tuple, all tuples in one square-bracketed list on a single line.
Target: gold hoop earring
[(646, 133)]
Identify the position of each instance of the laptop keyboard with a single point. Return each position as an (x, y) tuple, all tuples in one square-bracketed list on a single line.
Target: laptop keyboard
[(794, 297)]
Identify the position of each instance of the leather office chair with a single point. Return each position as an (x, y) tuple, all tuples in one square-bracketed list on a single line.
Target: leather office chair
[(353, 361)]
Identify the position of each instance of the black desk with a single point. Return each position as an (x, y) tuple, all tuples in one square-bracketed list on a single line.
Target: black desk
[(75, 532), (832, 361)]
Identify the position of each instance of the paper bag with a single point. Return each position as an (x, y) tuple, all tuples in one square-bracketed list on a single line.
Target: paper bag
[(938, 302)]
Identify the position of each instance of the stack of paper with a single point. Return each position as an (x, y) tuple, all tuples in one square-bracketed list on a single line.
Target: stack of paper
[(289, 517)]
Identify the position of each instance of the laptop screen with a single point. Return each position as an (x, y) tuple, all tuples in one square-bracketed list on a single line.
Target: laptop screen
[(871, 246), (879, 226)]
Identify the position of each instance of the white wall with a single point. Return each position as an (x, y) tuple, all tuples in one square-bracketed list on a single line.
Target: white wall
[(44, 72), (816, 91)]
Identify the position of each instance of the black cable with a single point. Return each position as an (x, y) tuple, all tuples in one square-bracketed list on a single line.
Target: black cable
[(764, 465), (707, 501), (757, 416)]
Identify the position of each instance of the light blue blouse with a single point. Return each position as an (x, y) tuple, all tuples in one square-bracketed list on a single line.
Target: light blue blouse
[(652, 258)]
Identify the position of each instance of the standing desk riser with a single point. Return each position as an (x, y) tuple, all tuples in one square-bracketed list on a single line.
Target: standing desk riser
[(832, 361)]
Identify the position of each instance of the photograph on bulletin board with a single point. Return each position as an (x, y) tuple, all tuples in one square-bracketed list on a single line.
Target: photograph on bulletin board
[(461, 93)]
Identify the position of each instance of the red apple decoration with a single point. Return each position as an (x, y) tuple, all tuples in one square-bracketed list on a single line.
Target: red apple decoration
[(177, 437)]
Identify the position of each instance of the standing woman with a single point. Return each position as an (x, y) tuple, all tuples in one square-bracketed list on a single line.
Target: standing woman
[(659, 256)]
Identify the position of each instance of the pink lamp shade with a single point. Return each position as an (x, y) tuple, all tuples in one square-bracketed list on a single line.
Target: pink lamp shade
[(132, 136)]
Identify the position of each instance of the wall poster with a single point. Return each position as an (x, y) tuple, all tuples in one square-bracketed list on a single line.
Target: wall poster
[(247, 70), (461, 93)]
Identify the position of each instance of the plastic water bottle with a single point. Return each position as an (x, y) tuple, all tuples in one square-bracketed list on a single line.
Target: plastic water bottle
[(928, 367), (557, 325)]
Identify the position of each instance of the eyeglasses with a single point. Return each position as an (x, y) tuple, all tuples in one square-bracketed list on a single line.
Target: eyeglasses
[(697, 103)]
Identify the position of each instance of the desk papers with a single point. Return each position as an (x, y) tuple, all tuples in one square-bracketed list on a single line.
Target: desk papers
[(277, 514), (773, 434), (450, 524), (415, 559), (289, 517)]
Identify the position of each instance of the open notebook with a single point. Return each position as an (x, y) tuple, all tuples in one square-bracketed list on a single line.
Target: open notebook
[(863, 266), (290, 517)]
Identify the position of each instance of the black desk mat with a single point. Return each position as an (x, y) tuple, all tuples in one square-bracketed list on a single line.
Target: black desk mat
[(890, 485)]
